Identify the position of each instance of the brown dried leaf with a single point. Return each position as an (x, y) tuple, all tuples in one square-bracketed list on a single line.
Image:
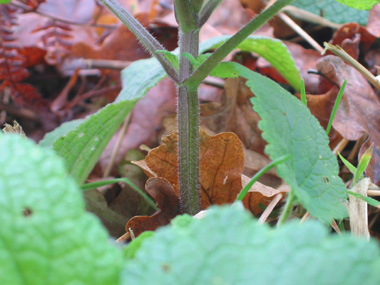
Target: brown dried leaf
[(167, 202), (221, 164)]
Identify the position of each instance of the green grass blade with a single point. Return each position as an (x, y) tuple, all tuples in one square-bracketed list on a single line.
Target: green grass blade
[(257, 176), (336, 105), (348, 164), (366, 199), (303, 93)]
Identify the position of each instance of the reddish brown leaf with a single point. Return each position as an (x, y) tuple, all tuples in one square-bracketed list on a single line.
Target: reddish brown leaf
[(167, 202)]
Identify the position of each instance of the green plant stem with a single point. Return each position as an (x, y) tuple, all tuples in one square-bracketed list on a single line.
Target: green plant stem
[(206, 11), (145, 38), (287, 209), (257, 176), (188, 128), (206, 67)]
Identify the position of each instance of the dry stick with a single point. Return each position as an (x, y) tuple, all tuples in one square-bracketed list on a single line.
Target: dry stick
[(334, 225), (310, 17), (338, 51), (304, 217), (340, 146), (356, 147), (373, 221), (124, 238), (269, 209), (300, 31), (117, 146)]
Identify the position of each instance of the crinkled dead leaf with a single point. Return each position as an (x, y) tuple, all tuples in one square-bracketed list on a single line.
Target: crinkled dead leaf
[(167, 202), (220, 170)]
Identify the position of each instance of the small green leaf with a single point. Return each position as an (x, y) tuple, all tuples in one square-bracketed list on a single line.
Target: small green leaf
[(363, 163), (228, 246), (46, 235), (334, 11), (5, 1), (290, 128)]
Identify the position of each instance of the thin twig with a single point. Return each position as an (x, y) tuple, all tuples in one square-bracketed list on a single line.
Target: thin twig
[(269, 209), (300, 31), (340, 146)]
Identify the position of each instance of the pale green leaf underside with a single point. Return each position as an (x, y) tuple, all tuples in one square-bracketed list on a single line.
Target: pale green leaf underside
[(290, 128), (333, 11), (58, 243), (229, 247)]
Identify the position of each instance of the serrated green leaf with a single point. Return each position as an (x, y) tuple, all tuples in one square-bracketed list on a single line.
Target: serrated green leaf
[(46, 235), (228, 246), (333, 11), (290, 128), (360, 4)]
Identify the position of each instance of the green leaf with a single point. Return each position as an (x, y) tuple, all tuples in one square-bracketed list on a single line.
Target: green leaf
[(334, 11), (171, 58), (137, 80), (82, 147), (5, 1), (274, 51), (360, 4), (46, 235), (363, 163), (62, 130), (290, 128), (228, 246)]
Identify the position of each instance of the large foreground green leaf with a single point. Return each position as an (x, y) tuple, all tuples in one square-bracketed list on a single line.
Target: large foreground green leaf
[(229, 247), (46, 236), (290, 128)]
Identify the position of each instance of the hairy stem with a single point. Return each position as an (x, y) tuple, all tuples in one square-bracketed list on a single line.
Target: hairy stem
[(145, 38), (188, 129)]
